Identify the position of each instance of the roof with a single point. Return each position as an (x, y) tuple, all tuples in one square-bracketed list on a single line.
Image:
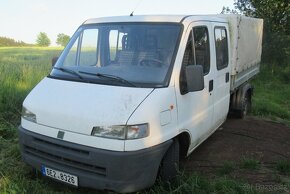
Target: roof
[(156, 18)]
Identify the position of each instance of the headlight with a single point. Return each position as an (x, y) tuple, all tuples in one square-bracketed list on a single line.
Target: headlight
[(114, 132), (122, 131), (26, 114)]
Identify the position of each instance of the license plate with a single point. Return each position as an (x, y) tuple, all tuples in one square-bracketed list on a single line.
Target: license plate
[(58, 175)]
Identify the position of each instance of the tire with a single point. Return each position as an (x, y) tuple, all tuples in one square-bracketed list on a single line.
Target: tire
[(170, 164), (246, 106)]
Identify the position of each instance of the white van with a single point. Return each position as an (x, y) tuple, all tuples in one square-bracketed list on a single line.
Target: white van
[(130, 95)]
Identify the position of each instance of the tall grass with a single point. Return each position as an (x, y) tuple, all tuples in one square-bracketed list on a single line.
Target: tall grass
[(20, 70), (272, 93)]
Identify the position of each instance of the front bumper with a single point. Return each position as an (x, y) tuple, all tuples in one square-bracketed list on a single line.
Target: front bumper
[(95, 168)]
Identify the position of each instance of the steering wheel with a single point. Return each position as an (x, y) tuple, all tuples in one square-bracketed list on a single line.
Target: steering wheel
[(151, 62)]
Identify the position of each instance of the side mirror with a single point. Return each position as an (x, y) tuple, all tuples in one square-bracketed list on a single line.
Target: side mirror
[(53, 61), (194, 78)]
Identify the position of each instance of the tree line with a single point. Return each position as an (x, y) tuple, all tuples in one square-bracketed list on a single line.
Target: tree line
[(41, 40), (4, 41)]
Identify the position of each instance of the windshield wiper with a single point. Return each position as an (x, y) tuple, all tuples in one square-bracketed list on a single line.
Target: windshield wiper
[(108, 76), (69, 71)]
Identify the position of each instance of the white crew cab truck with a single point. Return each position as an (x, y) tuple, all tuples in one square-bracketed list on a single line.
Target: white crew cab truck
[(130, 95)]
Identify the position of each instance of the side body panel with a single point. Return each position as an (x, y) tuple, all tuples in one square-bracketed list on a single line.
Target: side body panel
[(160, 111)]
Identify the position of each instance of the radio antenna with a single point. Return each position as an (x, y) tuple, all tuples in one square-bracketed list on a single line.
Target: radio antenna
[(137, 5)]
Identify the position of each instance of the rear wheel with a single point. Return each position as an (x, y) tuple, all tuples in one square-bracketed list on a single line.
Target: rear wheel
[(246, 106), (170, 163)]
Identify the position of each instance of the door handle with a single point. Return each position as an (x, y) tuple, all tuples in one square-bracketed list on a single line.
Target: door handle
[(227, 77), (210, 87)]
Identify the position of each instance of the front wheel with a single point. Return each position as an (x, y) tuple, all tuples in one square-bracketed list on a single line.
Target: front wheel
[(170, 163)]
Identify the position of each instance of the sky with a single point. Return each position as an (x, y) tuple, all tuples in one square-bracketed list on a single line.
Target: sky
[(24, 19)]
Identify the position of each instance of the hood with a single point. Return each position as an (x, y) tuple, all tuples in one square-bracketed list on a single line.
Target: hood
[(78, 107)]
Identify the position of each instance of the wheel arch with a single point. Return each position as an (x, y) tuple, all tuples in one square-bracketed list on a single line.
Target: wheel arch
[(184, 143), (238, 96)]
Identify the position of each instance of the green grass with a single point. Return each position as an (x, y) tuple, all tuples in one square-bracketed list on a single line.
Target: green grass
[(22, 68), (227, 167), (272, 93), (198, 184), (249, 163), (283, 166)]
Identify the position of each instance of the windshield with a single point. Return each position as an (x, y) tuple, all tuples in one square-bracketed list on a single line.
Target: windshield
[(131, 54)]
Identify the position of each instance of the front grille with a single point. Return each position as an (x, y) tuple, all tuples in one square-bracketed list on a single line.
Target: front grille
[(47, 143), (62, 160)]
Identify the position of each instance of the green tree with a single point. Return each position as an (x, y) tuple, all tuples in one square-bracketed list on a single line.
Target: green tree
[(42, 39), (275, 12), (227, 10), (62, 39), (276, 15)]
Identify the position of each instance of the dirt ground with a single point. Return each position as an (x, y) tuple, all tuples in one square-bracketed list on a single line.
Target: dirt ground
[(261, 140)]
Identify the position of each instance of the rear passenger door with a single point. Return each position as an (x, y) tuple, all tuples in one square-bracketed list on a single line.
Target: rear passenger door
[(221, 77)]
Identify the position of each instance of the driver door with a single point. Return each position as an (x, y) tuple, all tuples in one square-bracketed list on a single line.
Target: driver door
[(196, 109)]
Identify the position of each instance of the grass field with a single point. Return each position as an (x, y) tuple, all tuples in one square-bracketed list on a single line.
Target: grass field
[(272, 94), (22, 68)]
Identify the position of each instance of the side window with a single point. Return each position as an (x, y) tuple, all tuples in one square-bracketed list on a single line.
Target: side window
[(197, 54), (201, 46), (188, 59), (221, 47)]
